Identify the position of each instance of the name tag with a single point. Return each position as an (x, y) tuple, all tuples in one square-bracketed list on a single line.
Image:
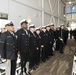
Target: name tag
[(8, 36), (23, 34)]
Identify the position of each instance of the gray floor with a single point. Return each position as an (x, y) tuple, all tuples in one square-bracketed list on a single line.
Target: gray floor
[(60, 64)]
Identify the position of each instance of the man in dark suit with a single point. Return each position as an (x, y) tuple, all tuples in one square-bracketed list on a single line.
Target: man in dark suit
[(23, 45), (8, 49)]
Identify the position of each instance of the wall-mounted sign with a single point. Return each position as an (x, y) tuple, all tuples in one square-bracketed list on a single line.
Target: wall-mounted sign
[(3, 16)]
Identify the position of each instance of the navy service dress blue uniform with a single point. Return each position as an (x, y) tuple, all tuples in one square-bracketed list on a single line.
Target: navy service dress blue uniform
[(23, 45), (44, 42), (8, 50), (33, 47), (52, 37), (38, 51), (57, 38), (61, 38), (49, 41)]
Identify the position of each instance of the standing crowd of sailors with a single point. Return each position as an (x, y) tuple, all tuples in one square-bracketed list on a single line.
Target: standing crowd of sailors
[(73, 34), (35, 45)]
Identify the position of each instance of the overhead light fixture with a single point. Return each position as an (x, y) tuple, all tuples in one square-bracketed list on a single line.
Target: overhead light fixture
[(64, 15), (70, 2)]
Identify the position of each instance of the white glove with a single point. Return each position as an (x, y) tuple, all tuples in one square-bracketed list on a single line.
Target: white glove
[(60, 38), (4, 60), (42, 46), (37, 48)]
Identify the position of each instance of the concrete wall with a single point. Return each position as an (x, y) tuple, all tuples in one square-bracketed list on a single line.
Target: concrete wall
[(41, 12)]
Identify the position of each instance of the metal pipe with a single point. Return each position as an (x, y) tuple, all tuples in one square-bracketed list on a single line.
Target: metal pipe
[(42, 12)]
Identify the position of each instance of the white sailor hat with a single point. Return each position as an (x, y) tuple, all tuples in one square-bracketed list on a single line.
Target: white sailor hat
[(52, 24), (23, 21), (32, 26), (37, 28), (58, 27), (43, 26), (48, 25), (40, 27), (62, 24), (9, 23)]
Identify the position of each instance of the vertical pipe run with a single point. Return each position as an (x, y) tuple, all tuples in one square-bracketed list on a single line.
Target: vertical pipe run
[(58, 12), (42, 12)]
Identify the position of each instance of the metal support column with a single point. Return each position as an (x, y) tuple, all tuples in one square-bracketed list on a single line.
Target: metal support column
[(58, 12)]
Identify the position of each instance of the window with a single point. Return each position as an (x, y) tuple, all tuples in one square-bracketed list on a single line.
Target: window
[(71, 10), (68, 10), (74, 9)]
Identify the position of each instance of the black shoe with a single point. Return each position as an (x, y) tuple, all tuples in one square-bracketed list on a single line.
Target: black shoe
[(43, 60), (47, 58), (61, 52), (34, 68), (52, 54)]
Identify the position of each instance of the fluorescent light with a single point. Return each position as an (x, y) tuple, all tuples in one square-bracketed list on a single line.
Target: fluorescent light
[(64, 15), (70, 2)]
